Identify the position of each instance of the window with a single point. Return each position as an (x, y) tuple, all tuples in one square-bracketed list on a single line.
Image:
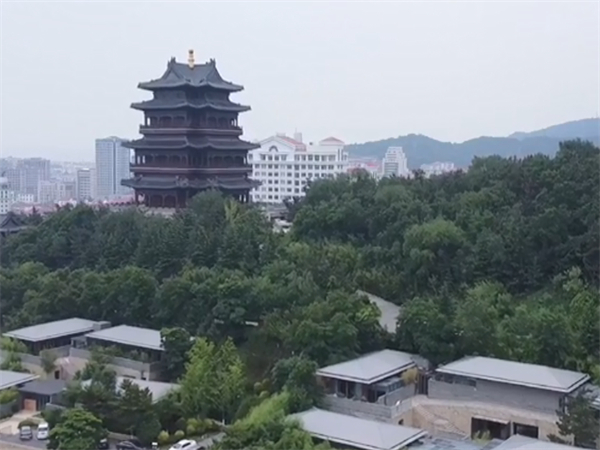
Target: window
[(525, 430)]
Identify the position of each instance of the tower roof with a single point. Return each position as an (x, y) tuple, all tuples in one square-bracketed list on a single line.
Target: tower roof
[(196, 75)]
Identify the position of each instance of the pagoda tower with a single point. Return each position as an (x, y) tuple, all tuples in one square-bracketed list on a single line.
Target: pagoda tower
[(191, 138)]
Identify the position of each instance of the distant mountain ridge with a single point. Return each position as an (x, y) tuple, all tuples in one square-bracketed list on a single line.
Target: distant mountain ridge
[(421, 149)]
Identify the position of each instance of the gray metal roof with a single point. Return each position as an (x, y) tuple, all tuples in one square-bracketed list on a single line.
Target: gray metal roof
[(389, 311), (438, 443), (355, 432), (52, 330), (44, 387), (518, 442), (512, 372), (158, 389), (132, 336), (10, 379), (369, 368)]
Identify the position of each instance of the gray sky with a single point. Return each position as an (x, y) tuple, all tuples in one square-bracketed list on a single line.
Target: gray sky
[(358, 71)]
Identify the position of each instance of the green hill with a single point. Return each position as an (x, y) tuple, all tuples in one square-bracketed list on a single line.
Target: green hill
[(421, 149)]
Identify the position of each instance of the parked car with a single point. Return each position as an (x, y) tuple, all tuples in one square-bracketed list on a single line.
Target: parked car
[(184, 444), (43, 431), (25, 433), (132, 444), (103, 444)]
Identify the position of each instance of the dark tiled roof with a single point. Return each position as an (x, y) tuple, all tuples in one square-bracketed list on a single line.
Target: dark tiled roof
[(44, 387), (201, 75), (200, 103), (11, 222), (149, 182), (224, 143)]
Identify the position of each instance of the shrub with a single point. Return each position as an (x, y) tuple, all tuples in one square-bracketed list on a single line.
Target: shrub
[(179, 435), (163, 438), (191, 430), (8, 396), (28, 423)]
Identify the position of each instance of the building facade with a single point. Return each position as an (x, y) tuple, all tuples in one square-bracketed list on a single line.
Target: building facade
[(7, 196), (437, 168), (394, 163), (86, 184), (285, 166), (191, 138), (112, 165)]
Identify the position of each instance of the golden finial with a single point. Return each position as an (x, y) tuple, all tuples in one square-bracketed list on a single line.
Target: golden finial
[(191, 58)]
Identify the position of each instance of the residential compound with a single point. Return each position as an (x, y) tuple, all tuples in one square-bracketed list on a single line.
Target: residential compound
[(284, 166), (134, 352), (470, 397)]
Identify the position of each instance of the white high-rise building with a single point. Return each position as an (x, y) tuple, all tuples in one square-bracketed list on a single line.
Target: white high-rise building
[(285, 165), (395, 163), (7, 196), (86, 184), (112, 166), (437, 168)]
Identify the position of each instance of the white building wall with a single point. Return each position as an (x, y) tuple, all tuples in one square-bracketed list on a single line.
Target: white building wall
[(86, 182), (7, 196), (285, 166), (112, 166), (395, 163), (437, 168)]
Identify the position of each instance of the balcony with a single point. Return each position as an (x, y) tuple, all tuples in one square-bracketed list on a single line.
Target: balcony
[(187, 128), (178, 170)]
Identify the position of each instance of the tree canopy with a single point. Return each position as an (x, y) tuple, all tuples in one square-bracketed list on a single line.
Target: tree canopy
[(501, 260)]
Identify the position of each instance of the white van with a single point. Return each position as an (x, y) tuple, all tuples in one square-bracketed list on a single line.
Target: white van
[(43, 430)]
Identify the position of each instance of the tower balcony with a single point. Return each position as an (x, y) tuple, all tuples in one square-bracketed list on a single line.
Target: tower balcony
[(188, 129), (152, 169)]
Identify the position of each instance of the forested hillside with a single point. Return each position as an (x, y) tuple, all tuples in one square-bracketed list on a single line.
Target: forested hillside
[(421, 149), (502, 261)]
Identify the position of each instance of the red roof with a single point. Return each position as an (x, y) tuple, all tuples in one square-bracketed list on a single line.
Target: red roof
[(332, 139), (291, 141)]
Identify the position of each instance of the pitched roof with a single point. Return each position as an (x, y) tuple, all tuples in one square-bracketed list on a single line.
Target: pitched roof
[(52, 330), (200, 75), (158, 389), (355, 432), (10, 379), (518, 442), (44, 387), (512, 372), (331, 140), (128, 335), (389, 311), (370, 368), (11, 222)]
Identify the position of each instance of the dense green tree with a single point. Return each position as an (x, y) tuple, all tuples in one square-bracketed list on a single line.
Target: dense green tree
[(78, 429), (578, 421), (176, 342)]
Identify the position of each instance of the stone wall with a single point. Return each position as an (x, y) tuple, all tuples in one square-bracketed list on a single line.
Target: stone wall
[(497, 393)]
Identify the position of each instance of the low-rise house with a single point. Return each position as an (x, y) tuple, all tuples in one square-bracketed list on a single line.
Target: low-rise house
[(36, 394), (349, 432), (374, 385), (53, 336), (135, 352), (485, 395), (10, 380)]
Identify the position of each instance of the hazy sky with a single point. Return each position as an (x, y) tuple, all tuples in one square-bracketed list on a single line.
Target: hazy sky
[(358, 71)]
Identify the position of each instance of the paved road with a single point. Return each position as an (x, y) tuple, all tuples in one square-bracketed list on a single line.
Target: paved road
[(8, 442)]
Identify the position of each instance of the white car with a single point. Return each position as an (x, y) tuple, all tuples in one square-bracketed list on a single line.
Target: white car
[(184, 444), (43, 430)]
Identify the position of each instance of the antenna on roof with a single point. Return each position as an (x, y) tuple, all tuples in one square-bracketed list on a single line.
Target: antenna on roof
[(191, 58)]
